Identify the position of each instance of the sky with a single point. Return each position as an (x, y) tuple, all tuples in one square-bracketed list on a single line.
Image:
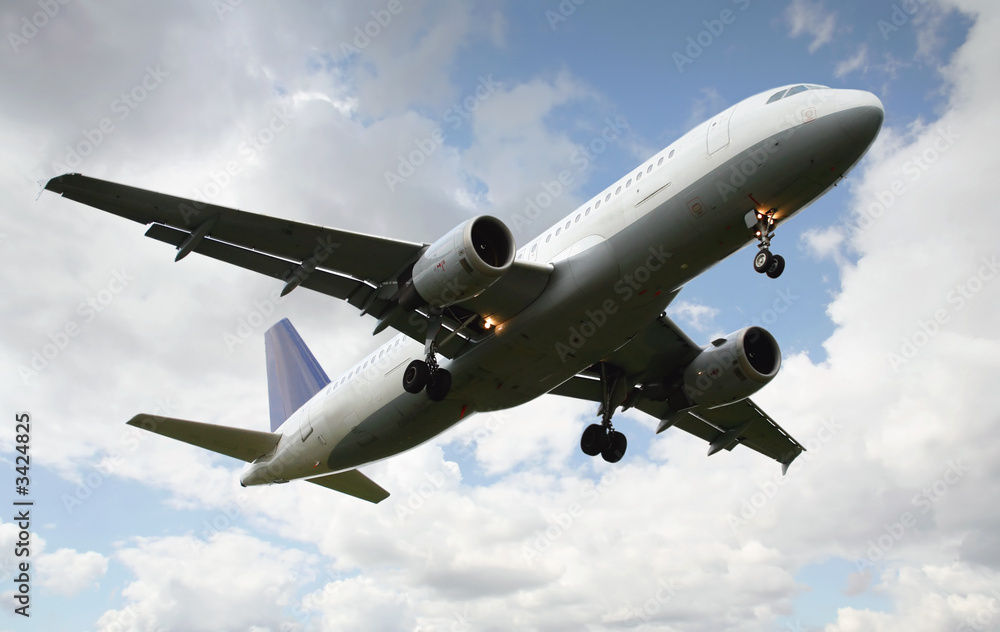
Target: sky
[(313, 111)]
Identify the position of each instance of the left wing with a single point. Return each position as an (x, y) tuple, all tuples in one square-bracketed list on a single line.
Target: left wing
[(662, 349), (362, 269)]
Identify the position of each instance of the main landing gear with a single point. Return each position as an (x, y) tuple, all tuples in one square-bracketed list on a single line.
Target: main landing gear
[(602, 438), (765, 262), (421, 374)]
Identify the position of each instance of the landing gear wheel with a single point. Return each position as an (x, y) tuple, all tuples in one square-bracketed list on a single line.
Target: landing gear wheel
[(763, 260), (594, 439), (415, 376), (615, 449), (439, 385), (777, 267)]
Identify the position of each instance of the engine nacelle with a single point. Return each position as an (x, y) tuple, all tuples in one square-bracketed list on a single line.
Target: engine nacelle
[(462, 264), (732, 368)]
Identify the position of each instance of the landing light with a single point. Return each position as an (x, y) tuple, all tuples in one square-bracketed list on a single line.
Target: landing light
[(488, 323)]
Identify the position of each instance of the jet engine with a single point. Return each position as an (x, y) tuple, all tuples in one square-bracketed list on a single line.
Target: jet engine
[(460, 265), (732, 368)]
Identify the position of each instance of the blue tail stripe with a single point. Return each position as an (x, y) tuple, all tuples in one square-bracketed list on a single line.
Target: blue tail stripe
[(293, 374)]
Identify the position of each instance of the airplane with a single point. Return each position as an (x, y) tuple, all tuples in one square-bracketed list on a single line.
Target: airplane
[(578, 311)]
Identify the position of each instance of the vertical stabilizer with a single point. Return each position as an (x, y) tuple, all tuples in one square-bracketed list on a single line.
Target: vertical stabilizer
[(293, 374)]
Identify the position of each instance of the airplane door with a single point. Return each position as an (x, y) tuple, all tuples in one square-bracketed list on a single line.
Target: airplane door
[(718, 131)]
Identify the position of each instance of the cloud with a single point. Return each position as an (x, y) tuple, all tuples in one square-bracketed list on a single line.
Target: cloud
[(232, 581), (858, 62), (693, 314), (68, 572), (806, 17), (501, 521)]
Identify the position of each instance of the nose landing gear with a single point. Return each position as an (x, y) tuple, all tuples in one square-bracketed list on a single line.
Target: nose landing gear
[(764, 262)]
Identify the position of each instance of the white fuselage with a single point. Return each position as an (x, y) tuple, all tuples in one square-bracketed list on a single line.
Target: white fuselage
[(617, 261)]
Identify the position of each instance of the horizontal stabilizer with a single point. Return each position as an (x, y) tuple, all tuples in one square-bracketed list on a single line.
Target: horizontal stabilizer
[(353, 483), (293, 374), (245, 445)]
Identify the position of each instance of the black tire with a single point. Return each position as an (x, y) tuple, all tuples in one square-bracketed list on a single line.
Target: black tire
[(415, 376), (762, 261), (615, 450), (777, 267), (439, 385), (594, 438)]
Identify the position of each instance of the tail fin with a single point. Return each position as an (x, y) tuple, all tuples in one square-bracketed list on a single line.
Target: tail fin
[(293, 374)]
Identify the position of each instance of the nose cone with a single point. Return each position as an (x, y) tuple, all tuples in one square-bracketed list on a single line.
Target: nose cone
[(861, 115)]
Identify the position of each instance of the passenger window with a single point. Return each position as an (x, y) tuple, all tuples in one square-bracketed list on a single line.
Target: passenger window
[(558, 230), (548, 238), (618, 190), (534, 248), (649, 169), (577, 218), (587, 212), (608, 197), (795, 90), (671, 154), (598, 205), (776, 96), (638, 176), (660, 161), (629, 183), (568, 222)]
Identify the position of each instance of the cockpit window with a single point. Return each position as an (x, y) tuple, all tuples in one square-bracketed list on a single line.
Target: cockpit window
[(776, 96), (796, 90)]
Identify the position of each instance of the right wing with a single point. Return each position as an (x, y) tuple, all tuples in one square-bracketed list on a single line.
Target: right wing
[(662, 349), (362, 269)]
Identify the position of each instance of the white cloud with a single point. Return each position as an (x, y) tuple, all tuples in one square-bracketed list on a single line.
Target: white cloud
[(231, 581), (858, 62), (808, 17), (693, 315), (68, 572), (524, 532)]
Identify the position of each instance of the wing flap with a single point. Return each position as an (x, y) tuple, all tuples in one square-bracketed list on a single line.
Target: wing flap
[(245, 445), (352, 483), (355, 254), (318, 280)]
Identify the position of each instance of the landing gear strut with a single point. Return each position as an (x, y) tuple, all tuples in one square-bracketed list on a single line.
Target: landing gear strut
[(765, 262), (602, 438), (421, 374)]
